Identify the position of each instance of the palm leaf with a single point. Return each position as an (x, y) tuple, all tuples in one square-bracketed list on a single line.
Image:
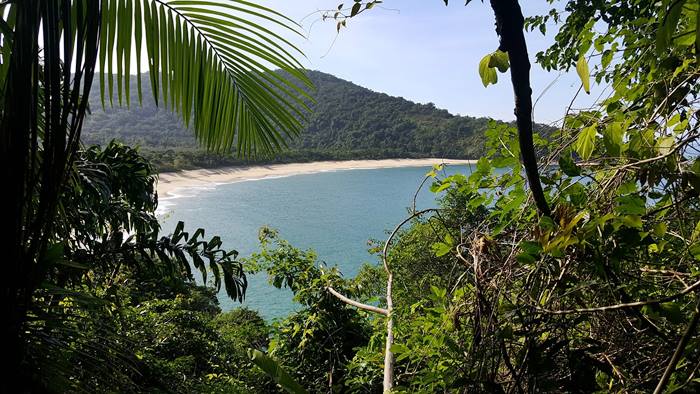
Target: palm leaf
[(212, 62), (274, 370)]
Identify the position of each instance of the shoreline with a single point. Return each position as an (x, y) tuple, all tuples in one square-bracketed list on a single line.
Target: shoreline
[(169, 182)]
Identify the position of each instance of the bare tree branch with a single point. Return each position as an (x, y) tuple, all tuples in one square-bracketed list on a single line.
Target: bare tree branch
[(690, 330), (356, 304), (636, 304)]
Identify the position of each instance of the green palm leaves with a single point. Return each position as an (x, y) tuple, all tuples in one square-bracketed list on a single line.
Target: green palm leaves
[(212, 62)]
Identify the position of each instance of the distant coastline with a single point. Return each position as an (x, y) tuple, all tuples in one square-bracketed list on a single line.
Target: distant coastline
[(169, 182)]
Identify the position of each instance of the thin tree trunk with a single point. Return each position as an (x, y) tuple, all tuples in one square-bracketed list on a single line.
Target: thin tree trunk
[(388, 354), (680, 349), (510, 28), (388, 312), (33, 162)]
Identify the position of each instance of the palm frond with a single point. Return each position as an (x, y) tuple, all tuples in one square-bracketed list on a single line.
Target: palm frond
[(213, 63)]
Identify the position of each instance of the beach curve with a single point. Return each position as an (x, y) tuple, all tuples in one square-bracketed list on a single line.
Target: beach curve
[(169, 183)]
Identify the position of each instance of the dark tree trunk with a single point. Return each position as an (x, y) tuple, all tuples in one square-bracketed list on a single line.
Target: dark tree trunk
[(510, 28), (18, 120), (42, 111)]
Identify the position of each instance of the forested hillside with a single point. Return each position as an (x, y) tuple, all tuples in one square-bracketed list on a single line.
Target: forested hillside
[(561, 265), (348, 121)]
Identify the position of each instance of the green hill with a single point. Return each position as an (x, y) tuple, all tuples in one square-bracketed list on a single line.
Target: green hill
[(348, 121)]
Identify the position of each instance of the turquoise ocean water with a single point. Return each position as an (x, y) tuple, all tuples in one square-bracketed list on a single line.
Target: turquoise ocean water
[(334, 213)]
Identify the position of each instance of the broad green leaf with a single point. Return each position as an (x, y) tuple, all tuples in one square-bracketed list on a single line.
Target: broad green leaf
[(685, 39), (355, 9), (586, 142), (665, 144), (668, 20), (660, 229), (613, 136), (627, 188), (631, 205), (440, 249), (633, 221), (672, 312), (399, 348), (275, 371), (437, 187), (530, 247), (525, 258), (577, 194), (546, 223), (567, 165), (696, 232), (584, 73)]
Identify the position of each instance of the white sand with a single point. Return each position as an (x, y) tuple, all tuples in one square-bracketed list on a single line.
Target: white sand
[(172, 181)]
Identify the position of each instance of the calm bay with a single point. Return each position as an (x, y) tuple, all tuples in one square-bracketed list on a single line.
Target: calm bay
[(335, 213)]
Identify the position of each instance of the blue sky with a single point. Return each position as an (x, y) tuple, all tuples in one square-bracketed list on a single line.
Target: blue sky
[(426, 52)]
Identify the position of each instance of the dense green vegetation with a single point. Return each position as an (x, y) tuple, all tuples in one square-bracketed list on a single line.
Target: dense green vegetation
[(347, 122), (77, 220), (493, 294), (124, 314), (489, 292)]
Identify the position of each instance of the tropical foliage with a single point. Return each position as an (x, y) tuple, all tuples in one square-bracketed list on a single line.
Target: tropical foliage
[(494, 294), (105, 291), (322, 335), (210, 62), (587, 285)]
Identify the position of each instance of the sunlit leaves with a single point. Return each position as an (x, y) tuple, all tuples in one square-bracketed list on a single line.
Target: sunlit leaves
[(583, 73), (665, 145), (499, 60), (696, 232), (489, 64), (625, 220), (586, 142), (444, 247), (488, 74), (441, 249), (530, 252), (631, 205)]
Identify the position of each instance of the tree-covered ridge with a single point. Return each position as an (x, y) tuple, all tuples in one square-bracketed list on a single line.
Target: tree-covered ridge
[(348, 117), (348, 121)]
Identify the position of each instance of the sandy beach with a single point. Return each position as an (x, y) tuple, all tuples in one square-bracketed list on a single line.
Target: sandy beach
[(171, 181)]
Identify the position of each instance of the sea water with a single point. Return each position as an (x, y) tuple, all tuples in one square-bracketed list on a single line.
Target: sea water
[(334, 213)]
